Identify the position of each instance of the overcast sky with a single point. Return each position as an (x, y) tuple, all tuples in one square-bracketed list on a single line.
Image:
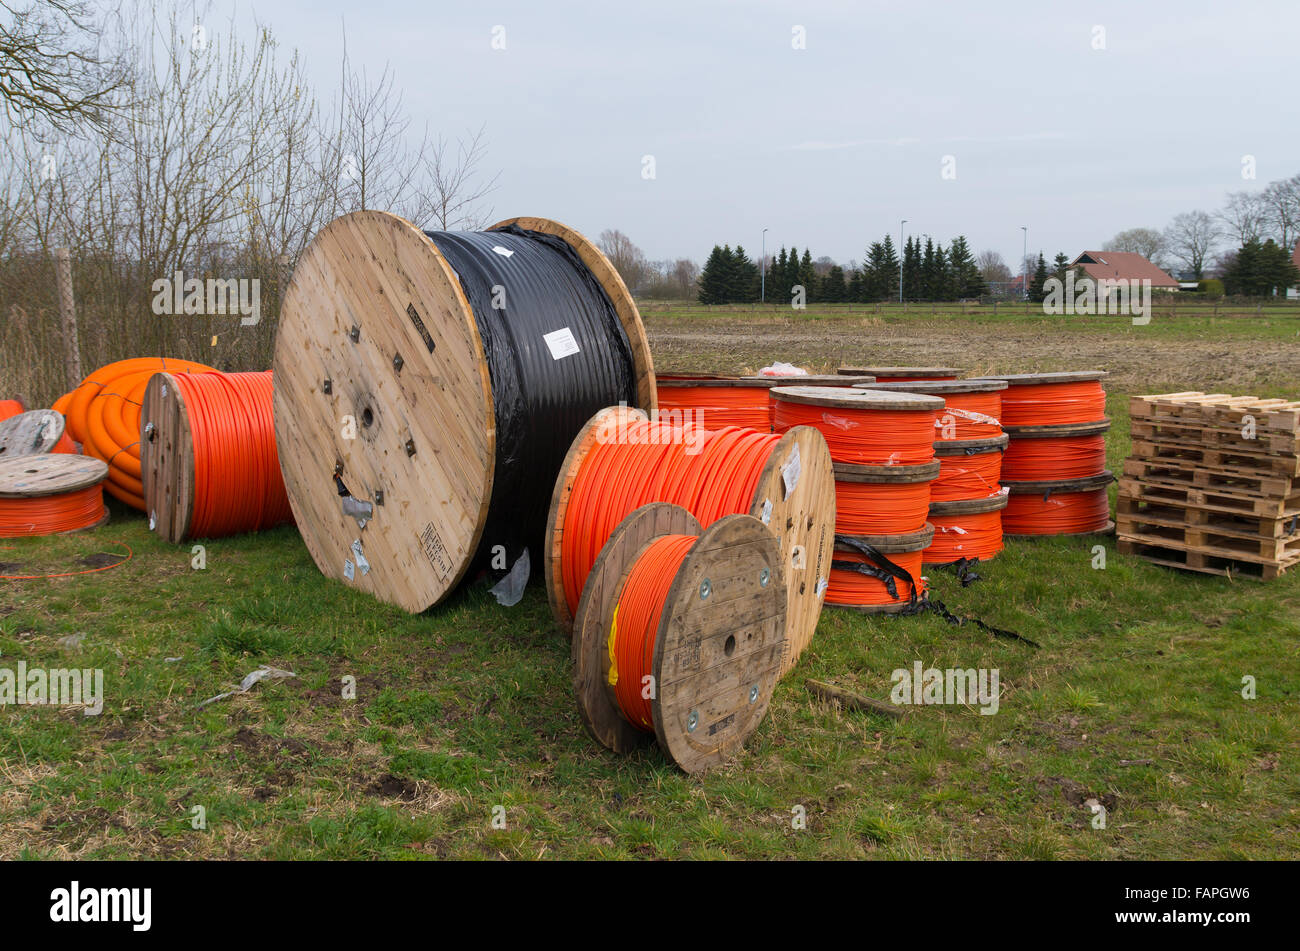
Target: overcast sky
[(831, 145)]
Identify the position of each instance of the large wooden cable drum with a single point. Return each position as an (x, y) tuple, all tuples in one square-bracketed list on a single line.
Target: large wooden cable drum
[(461, 366)]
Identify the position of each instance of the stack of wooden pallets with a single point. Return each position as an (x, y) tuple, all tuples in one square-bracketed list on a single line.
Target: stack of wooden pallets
[(1213, 484)]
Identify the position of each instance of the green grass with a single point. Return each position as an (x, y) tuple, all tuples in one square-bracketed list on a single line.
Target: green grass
[(1134, 699)]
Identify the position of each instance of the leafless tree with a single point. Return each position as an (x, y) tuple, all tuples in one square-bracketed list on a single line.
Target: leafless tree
[(1147, 242), (685, 274), (52, 68), (1191, 238), (1243, 216), (626, 257), (993, 268), (1281, 203)]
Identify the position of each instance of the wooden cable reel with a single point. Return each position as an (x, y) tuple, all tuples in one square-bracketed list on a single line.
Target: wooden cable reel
[(383, 392), (32, 433), (720, 641), (38, 479), (802, 519)]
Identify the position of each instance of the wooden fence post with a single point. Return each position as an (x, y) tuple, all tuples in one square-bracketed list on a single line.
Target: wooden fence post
[(68, 312)]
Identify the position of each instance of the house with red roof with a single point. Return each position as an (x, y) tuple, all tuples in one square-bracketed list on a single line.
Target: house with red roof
[(1123, 266)]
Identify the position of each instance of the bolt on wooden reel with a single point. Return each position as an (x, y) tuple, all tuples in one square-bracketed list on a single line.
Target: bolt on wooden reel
[(384, 404), (718, 647)]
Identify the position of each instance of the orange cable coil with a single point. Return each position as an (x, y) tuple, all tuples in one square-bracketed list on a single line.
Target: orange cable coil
[(635, 624), (869, 437), (238, 486), (970, 416), (1060, 513), (721, 406), (881, 508), (652, 462), (104, 416), (1056, 457), (964, 476), (51, 514), (1051, 404), (970, 535)]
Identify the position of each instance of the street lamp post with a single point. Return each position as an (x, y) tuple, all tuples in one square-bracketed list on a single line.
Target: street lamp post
[(1024, 263), (900, 259), (762, 272)]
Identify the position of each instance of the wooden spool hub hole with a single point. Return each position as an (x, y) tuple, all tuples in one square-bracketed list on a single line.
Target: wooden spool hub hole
[(718, 647)]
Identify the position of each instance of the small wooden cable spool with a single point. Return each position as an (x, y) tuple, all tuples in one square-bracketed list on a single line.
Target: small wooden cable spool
[(33, 433), (180, 501), (904, 550), (954, 523), (868, 495), (1068, 450), (719, 644), (863, 426), (903, 374), (1038, 399), (968, 468), (973, 408), (1031, 506), (52, 494), (377, 329), (794, 498)]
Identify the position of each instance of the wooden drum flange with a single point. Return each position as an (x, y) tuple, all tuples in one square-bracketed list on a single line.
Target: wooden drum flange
[(718, 649), (384, 413)]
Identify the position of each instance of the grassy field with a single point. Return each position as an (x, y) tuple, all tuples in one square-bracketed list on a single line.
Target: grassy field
[(1134, 698)]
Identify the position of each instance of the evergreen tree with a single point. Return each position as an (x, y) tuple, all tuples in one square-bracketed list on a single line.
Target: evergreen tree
[(713, 279), (967, 279), (887, 270), (1260, 270), (1036, 292), (912, 269), (744, 277), (833, 289), (1062, 264), (931, 278), (808, 276), (855, 288)]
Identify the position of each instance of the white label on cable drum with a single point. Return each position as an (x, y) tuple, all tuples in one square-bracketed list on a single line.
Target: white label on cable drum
[(504, 252), (561, 343), (790, 473), (348, 571)]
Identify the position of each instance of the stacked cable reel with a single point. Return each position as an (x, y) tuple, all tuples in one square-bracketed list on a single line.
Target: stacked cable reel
[(734, 400), (208, 456), (51, 494), (967, 498), (882, 445), (103, 414), (623, 460), (903, 374), (680, 634), (427, 386), (1055, 464)]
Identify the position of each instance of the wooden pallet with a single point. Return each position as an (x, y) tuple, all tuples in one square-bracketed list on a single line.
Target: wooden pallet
[(1221, 409), (1154, 528), (1171, 432), (1227, 480), (1173, 555), (1212, 499), (1228, 459), (1246, 524)]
